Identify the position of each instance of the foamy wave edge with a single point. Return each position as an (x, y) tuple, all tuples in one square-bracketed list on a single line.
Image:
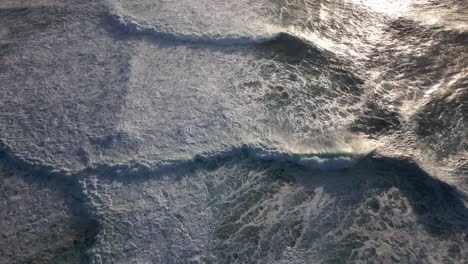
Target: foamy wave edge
[(311, 161), (133, 26), (319, 161)]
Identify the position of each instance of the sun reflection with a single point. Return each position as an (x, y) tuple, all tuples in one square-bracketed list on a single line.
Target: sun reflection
[(389, 7), (423, 11)]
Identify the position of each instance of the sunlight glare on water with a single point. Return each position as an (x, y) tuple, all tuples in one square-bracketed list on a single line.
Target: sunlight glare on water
[(389, 7)]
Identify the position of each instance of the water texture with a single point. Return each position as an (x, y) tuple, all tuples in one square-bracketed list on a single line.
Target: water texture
[(266, 131)]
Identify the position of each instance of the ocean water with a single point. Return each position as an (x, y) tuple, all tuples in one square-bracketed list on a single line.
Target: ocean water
[(249, 131)]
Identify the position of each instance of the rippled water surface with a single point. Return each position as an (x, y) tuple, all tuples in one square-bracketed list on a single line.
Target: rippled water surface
[(249, 131)]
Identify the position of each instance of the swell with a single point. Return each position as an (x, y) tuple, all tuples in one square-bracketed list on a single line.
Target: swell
[(131, 26), (312, 161), (140, 172)]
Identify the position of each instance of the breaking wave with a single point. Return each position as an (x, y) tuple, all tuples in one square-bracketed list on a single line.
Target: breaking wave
[(152, 171), (311, 161), (331, 161), (132, 26)]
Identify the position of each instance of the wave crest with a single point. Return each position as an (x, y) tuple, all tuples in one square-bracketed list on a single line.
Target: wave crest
[(132, 26), (312, 161)]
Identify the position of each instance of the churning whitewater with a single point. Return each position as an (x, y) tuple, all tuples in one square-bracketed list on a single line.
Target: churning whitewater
[(249, 131)]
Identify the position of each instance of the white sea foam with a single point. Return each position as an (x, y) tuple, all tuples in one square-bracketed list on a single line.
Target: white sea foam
[(135, 26), (216, 22), (322, 161), (312, 161)]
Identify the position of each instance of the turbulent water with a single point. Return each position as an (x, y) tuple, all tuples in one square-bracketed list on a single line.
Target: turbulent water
[(248, 131)]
